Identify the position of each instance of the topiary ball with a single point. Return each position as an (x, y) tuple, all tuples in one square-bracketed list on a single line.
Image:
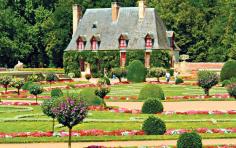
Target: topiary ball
[(136, 72), (152, 106), (179, 81), (57, 92), (151, 91), (228, 71), (189, 140), (154, 126), (226, 83)]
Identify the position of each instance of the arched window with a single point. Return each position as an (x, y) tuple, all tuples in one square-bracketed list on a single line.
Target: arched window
[(95, 42), (123, 41), (81, 43), (148, 41)]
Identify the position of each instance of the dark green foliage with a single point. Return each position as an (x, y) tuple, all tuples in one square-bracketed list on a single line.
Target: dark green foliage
[(47, 106), (136, 72), (5, 81), (88, 95), (171, 71), (228, 71), (35, 90), (97, 60), (160, 58), (102, 91), (154, 126), (134, 55), (151, 91), (50, 77), (225, 83), (207, 79), (189, 140), (119, 72), (27, 85), (231, 88), (152, 106), (157, 72), (179, 81), (56, 92)]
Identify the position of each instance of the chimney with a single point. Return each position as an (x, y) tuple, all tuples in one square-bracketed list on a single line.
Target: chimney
[(77, 14), (115, 11), (141, 7)]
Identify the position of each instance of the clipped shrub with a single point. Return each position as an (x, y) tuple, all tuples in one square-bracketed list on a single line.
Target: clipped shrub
[(5, 81), (47, 107), (36, 90), (171, 71), (119, 73), (207, 79), (225, 83), (179, 81), (189, 140), (151, 91), (231, 88), (27, 85), (50, 77), (152, 106), (102, 91), (88, 95), (228, 71), (104, 81), (18, 84), (136, 72), (56, 92), (88, 76), (33, 78), (157, 72), (154, 126)]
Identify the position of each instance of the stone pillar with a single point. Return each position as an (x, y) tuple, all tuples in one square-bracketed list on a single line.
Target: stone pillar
[(77, 14), (147, 59), (141, 6), (122, 58), (115, 11)]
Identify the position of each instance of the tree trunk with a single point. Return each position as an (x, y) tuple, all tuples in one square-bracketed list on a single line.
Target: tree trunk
[(53, 122), (36, 98), (206, 91), (69, 142), (5, 89), (18, 91), (158, 79), (119, 79)]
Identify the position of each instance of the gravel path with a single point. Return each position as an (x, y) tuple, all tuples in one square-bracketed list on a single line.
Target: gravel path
[(183, 106), (114, 144)]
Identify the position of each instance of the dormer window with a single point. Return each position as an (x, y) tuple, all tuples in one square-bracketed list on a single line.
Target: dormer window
[(81, 43), (123, 41), (149, 41), (95, 41)]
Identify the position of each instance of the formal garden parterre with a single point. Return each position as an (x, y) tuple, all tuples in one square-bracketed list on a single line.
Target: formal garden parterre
[(23, 119)]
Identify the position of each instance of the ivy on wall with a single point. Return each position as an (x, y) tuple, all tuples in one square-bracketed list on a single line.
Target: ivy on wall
[(135, 55), (110, 59), (160, 58)]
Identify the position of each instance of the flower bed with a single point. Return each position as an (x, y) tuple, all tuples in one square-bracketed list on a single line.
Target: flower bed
[(95, 132), (188, 97), (19, 103)]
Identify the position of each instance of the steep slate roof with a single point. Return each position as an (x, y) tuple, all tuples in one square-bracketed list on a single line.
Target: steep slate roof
[(128, 23)]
